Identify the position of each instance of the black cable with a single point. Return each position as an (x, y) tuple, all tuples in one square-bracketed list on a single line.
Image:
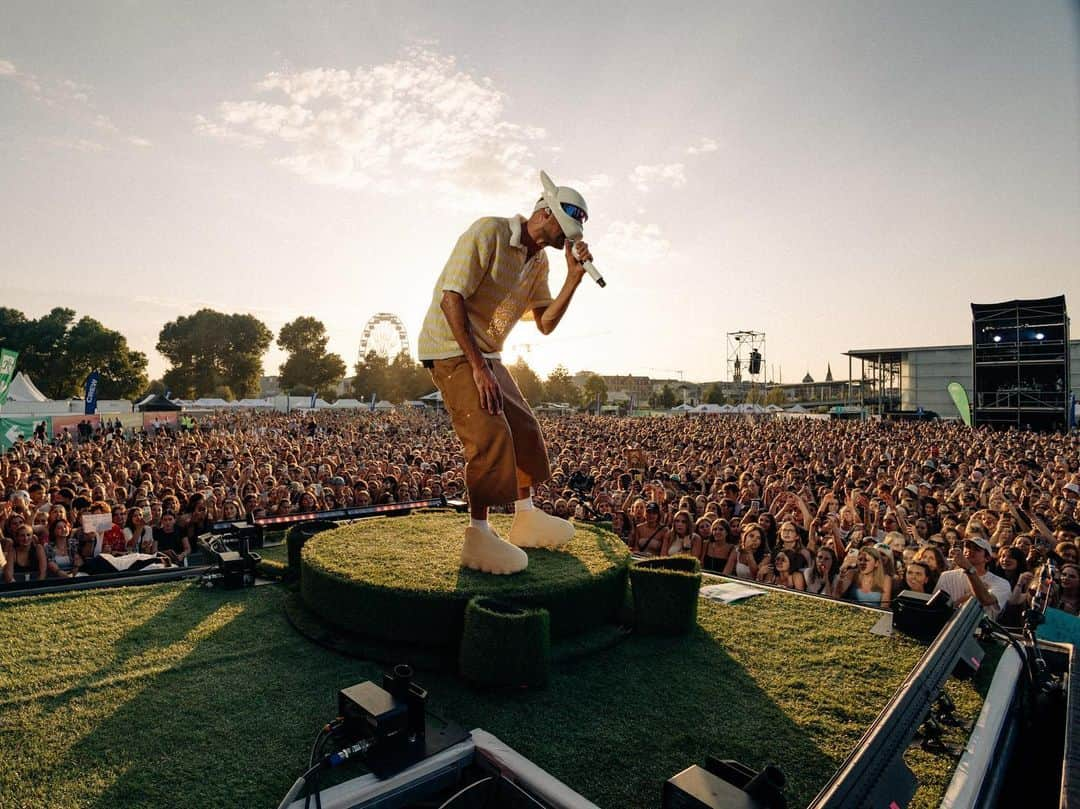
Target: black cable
[(315, 746), (321, 738), (1010, 638)]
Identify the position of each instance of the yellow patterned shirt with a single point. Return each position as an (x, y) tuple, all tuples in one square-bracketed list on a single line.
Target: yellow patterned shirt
[(489, 269)]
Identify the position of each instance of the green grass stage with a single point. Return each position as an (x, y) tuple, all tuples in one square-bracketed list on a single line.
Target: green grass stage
[(170, 695)]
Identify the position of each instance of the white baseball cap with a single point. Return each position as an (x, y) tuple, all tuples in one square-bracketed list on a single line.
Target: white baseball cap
[(566, 204)]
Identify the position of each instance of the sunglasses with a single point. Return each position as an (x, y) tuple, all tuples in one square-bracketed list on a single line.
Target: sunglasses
[(574, 212)]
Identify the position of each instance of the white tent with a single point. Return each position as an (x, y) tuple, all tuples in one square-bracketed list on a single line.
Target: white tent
[(211, 402), (726, 408), (435, 396), (773, 408), (683, 408), (343, 404), (255, 403), (798, 408), (708, 407), (749, 408), (23, 390), (382, 404)]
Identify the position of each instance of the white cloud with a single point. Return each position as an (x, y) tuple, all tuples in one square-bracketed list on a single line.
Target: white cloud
[(74, 144), (71, 98), (215, 130), (418, 120), (644, 178), (104, 123), (635, 242), (589, 184), (703, 146), (135, 140)]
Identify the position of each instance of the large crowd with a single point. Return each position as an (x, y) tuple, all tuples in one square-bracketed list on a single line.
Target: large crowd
[(849, 509)]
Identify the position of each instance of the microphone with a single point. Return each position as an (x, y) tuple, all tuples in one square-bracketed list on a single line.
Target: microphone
[(590, 269)]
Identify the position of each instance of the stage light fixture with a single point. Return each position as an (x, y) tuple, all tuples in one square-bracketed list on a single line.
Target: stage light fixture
[(1040, 336), (997, 338)]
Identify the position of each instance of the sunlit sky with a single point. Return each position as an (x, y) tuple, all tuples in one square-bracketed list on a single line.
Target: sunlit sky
[(836, 175)]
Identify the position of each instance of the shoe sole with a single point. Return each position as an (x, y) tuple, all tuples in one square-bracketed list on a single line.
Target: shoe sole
[(493, 571), (540, 544)]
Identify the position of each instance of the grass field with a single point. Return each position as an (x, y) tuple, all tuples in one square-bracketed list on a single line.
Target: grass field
[(169, 695)]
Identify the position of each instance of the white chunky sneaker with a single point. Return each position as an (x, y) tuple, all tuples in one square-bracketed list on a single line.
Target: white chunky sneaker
[(538, 529), (486, 551)]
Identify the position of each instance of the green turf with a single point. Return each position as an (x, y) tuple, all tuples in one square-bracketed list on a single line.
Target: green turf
[(423, 554), (170, 695), (402, 581), (276, 553)]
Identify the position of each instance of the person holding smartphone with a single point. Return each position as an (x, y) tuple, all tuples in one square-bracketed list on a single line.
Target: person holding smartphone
[(971, 577)]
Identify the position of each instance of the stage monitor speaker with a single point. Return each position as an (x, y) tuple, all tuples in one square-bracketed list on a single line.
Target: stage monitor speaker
[(921, 615)]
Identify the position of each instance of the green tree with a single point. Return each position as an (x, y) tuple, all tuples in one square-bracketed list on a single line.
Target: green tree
[(593, 388), (211, 352), (665, 398), (560, 387), (58, 353), (528, 381), (372, 376), (407, 380), (92, 347), (776, 396), (714, 394), (308, 367)]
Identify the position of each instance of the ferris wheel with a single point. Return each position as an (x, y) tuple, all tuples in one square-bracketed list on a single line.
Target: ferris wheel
[(384, 334)]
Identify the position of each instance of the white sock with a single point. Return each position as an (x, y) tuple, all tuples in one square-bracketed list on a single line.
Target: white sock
[(475, 523), (524, 505)]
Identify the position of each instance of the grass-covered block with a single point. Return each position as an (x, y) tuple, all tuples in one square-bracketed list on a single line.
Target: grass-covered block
[(401, 580), (298, 536), (665, 593), (505, 644)]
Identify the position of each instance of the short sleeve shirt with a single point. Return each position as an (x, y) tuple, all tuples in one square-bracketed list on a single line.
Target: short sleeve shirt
[(500, 284), (956, 584)]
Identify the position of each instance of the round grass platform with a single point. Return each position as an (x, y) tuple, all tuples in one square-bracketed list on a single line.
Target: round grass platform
[(399, 579)]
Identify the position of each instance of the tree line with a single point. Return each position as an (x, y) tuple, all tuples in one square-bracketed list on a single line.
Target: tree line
[(215, 354)]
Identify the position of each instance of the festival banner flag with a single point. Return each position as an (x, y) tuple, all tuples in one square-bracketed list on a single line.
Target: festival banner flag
[(372, 408), (960, 399), (7, 371), (90, 393), (314, 394), (13, 429)]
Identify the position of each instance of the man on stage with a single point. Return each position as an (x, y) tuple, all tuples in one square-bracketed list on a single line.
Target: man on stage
[(498, 274)]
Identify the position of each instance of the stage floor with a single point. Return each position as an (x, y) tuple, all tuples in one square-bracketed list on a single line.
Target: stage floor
[(171, 695)]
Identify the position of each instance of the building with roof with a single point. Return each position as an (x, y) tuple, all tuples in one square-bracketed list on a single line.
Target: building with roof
[(914, 377)]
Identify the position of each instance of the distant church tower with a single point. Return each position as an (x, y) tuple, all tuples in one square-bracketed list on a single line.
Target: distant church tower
[(828, 373), (807, 380)]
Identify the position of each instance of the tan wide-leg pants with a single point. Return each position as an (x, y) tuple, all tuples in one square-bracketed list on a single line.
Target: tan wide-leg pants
[(504, 452)]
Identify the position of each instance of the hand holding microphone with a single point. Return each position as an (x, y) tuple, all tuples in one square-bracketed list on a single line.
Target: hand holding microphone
[(581, 254), (570, 211)]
